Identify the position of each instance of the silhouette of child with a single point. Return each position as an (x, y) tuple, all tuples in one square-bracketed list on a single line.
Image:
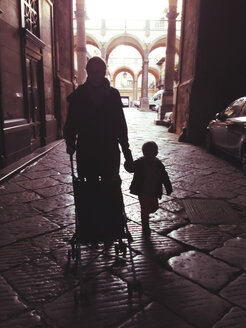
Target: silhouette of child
[(149, 176)]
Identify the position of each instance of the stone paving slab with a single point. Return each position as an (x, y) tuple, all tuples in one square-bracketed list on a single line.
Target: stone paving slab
[(129, 200), (40, 172), (38, 281), (25, 320), (235, 318), (133, 212), (233, 252), (210, 212), (63, 178), (53, 240), (186, 185), (180, 193), (13, 231), (52, 203), (155, 316), (171, 206), (16, 212), (203, 269), (63, 216), (164, 221), (38, 183), (108, 305), (239, 201), (235, 230), (17, 253), (18, 177), (18, 198), (189, 301), (156, 246), (9, 300), (235, 292), (64, 170), (10, 187), (125, 185), (200, 236), (55, 190)]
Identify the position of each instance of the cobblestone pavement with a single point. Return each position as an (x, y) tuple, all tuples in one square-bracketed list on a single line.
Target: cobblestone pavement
[(192, 268)]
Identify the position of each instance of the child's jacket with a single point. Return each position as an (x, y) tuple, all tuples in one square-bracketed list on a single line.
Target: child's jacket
[(137, 186)]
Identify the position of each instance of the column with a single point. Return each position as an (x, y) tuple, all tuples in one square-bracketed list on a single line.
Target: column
[(144, 100), (135, 82), (103, 33), (167, 100), (103, 52), (81, 41)]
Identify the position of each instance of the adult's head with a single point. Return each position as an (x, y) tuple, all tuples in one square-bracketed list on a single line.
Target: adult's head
[(96, 71)]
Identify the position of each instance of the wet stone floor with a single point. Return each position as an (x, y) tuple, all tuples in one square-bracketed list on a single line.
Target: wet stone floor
[(190, 270)]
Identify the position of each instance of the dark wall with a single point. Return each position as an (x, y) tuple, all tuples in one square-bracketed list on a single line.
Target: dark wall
[(220, 66), (51, 52), (187, 65), (64, 59)]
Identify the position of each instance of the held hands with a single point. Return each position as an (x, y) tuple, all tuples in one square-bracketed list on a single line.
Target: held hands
[(169, 192), (71, 149), (128, 165)]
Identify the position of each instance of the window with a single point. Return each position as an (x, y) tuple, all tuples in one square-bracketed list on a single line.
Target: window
[(30, 15)]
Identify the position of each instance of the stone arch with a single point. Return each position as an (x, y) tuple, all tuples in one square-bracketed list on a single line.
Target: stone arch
[(155, 72), (158, 42), (162, 42), (128, 70), (123, 69), (151, 70), (124, 39), (90, 39)]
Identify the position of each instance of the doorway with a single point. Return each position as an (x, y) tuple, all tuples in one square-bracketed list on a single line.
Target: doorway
[(34, 101)]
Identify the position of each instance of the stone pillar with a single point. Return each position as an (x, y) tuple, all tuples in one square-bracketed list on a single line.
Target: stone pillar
[(81, 41), (103, 33), (135, 86), (144, 100), (167, 100), (103, 52)]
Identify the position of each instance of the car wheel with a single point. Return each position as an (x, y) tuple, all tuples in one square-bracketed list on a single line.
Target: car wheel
[(243, 160), (209, 143)]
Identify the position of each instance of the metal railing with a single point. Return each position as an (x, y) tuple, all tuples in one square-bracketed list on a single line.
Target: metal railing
[(127, 25)]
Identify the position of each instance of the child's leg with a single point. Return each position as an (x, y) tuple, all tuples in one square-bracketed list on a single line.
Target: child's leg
[(144, 205), (149, 204), (153, 203)]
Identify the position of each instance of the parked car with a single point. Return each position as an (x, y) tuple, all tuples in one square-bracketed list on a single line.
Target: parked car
[(136, 103), (125, 101), (156, 108), (156, 100), (168, 118), (227, 131), (151, 103)]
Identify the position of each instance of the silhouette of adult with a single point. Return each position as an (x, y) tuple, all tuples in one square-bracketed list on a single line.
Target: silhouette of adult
[(96, 125)]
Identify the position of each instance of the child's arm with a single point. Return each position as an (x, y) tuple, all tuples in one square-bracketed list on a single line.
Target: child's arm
[(166, 181)]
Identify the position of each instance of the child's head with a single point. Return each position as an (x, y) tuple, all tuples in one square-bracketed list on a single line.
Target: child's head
[(150, 149)]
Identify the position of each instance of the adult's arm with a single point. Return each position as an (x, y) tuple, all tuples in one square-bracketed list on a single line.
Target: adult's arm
[(122, 130), (70, 130)]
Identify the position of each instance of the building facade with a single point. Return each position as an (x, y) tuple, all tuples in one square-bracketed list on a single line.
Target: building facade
[(36, 74)]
